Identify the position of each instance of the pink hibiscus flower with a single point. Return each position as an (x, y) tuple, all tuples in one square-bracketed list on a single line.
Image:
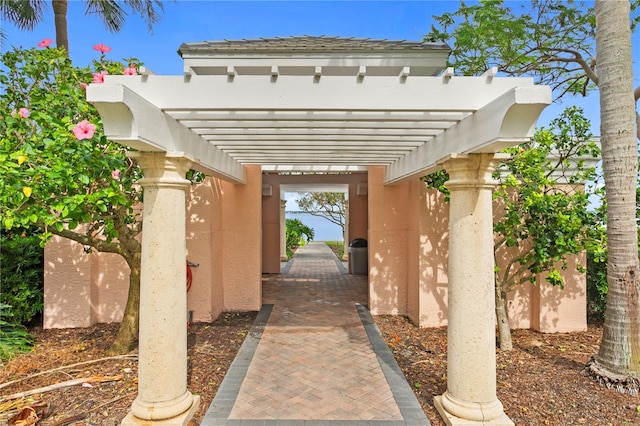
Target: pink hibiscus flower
[(84, 130), (22, 113), (98, 77), (46, 42), (130, 70), (102, 48)]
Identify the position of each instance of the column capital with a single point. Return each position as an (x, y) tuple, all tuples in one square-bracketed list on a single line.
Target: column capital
[(471, 170), (163, 169)]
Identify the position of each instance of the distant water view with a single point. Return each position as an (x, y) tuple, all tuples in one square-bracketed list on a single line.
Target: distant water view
[(322, 228)]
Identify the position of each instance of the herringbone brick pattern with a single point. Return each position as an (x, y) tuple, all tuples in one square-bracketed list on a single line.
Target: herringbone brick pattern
[(315, 361)]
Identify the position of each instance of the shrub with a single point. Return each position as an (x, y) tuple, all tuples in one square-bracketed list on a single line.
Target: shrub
[(297, 233), (14, 338), (21, 275), (597, 286)]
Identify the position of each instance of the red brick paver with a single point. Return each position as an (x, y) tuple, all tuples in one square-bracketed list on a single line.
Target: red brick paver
[(314, 360)]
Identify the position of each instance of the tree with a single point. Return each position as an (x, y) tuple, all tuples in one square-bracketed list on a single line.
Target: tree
[(26, 14), (618, 360), (329, 205), (59, 172), (546, 219), (552, 41)]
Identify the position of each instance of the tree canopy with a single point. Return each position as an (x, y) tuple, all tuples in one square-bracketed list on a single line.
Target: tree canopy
[(546, 217), (329, 205), (550, 40), (57, 169)]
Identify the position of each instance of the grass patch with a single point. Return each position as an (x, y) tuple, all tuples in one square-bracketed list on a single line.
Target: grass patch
[(337, 247)]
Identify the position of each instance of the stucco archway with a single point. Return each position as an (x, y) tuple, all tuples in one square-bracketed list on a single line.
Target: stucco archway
[(321, 104)]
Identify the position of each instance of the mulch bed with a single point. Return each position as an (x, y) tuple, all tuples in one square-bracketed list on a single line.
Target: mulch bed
[(540, 382)]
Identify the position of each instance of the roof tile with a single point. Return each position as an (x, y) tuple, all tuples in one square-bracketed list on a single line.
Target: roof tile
[(309, 43)]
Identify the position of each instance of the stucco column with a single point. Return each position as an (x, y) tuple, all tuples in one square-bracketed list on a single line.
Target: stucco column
[(471, 351), (162, 363), (283, 230)]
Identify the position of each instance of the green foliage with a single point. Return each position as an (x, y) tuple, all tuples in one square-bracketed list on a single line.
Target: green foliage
[(21, 275), (14, 338), (58, 171), (552, 41), (49, 176), (438, 180), (597, 287), (297, 233), (545, 214)]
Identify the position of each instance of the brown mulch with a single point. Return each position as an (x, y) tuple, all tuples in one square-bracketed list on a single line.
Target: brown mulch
[(540, 382), (211, 349)]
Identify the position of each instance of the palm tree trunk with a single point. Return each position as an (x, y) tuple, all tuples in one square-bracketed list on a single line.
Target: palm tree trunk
[(618, 360), (60, 20)]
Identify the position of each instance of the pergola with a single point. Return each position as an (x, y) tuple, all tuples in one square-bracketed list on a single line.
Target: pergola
[(322, 104)]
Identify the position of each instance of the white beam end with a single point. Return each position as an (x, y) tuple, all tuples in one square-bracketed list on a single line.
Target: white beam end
[(447, 74)]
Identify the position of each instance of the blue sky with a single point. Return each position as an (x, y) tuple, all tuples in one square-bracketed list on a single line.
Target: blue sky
[(194, 21)]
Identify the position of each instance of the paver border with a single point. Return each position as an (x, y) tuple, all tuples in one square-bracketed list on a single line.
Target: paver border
[(220, 408)]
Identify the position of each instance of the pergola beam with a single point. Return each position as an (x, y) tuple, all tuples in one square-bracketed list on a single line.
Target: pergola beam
[(332, 93), (508, 120), (368, 116), (131, 120)]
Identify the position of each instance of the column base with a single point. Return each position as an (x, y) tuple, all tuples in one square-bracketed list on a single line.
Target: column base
[(180, 420), (451, 420)]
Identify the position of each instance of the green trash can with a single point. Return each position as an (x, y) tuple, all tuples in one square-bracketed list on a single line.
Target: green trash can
[(358, 257)]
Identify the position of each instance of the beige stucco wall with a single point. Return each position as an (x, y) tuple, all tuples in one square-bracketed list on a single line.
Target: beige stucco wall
[(205, 297), (271, 226), (81, 289), (239, 247), (388, 244), (430, 286), (233, 234)]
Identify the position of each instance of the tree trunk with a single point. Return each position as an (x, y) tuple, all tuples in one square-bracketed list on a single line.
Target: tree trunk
[(502, 315), (619, 354), (60, 20), (127, 337)]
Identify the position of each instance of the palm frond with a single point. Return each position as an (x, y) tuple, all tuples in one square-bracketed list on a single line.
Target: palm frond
[(110, 12), (24, 14)]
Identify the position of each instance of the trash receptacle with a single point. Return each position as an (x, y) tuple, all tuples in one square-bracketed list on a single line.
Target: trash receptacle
[(358, 257)]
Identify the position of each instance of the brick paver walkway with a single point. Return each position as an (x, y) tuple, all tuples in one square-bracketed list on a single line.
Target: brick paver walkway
[(314, 355)]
